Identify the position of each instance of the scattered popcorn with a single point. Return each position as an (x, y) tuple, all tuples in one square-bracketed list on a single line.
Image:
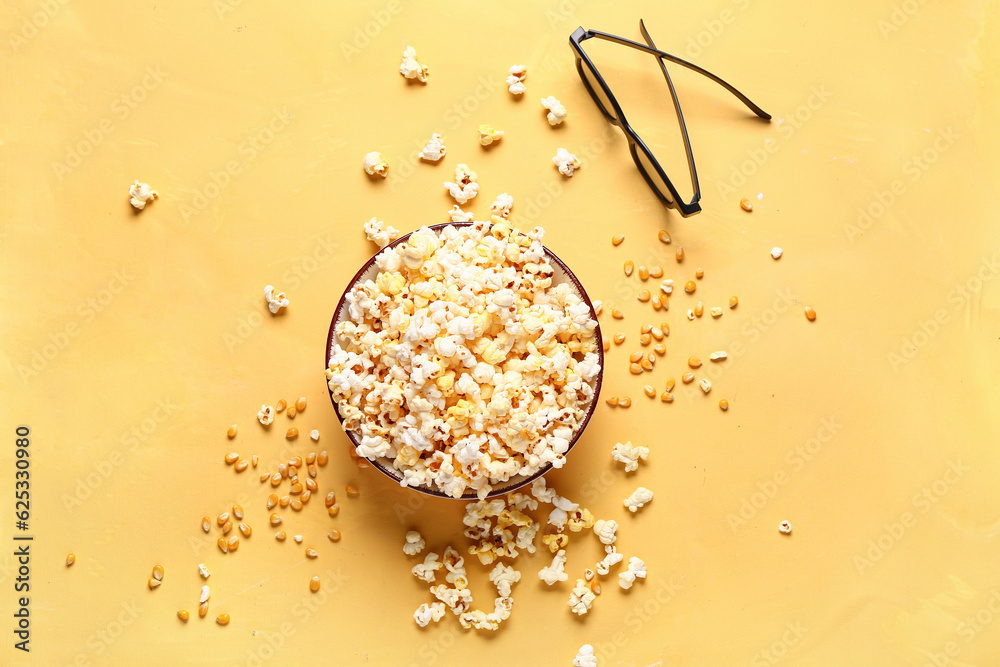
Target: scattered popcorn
[(266, 415), (298, 539), (465, 186), (426, 571), (611, 558), (557, 112), (203, 571), (434, 150), (785, 527), (776, 252), (379, 233), (140, 193), (374, 164), (556, 571), (585, 657), (636, 569), (555, 541), (690, 314), (410, 68), (502, 205), (598, 306), (716, 312), (275, 302), (588, 574), (629, 454), (488, 135), (605, 530), (718, 356), (414, 543), (515, 79), (639, 497), (499, 541), (579, 519), (465, 366), (504, 577), (566, 162), (705, 384), (581, 598), (667, 286), (429, 613), (205, 594), (458, 215), (314, 434)]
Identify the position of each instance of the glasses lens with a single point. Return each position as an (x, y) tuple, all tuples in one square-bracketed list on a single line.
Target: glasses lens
[(597, 90), (657, 182)]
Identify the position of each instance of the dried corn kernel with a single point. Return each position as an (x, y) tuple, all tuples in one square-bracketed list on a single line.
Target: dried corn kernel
[(334, 535), (617, 314), (645, 339), (679, 254), (300, 404), (660, 349), (222, 619), (664, 236), (619, 338), (625, 402), (183, 615), (699, 309), (810, 313), (746, 205), (699, 273), (280, 405), (656, 272), (646, 365), (70, 559), (670, 384), (690, 286), (687, 378), (232, 457), (723, 405), (635, 369), (231, 433), (643, 296), (694, 362), (617, 239), (667, 397), (314, 584), (649, 390), (643, 273), (628, 267), (733, 301)]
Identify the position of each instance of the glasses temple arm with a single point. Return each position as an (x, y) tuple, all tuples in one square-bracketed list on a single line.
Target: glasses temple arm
[(683, 63)]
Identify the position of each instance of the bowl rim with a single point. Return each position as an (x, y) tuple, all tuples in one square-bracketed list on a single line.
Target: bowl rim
[(390, 472)]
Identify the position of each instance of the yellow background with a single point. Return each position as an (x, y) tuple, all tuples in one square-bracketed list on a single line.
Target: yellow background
[(132, 340)]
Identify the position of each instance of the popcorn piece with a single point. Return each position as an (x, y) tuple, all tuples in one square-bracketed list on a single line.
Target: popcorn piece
[(275, 302), (667, 286), (629, 454), (314, 434), (140, 193), (611, 558), (776, 252), (203, 571), (705, 384), (690, 314), (410, 68), (785, 527), (566, 162), (458, 215), (639, 497), (434, 150), (515, 79), (718, 356), (605, 530), (488, 135), (379, 233), (298, 539), (429, 613), (557, 112), (588, 574), (555, 541), (426, 571), (502, 205), (465, 186), (375, 165), (205, 594), (556, 571), (265, 415), (636, 569), (414, 543), (504, 577), (581, 598), (585, 657)]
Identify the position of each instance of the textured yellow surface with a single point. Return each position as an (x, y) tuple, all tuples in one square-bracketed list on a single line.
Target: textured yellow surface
[(131, 341)]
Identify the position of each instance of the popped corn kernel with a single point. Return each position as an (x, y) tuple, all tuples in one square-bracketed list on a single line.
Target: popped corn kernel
[(556, 111), (718, 356), (636, 570), (611, 558), (629, 454), (434, 150), (565, 162), (501, 205), (605, 530), (585, 657), (429, 613), (639, 497), (426, 571), (275, 301), (314, 435), (776, 252), (265, 415), (581, 598), (705, 384), (458, 215), (489, 135), (555, 541), (414, 543), (375, 165), (380, 233), (515, 79), (465, 186), (556, 570), (140, 193), (410, 68), (785, 527), (203, 571)]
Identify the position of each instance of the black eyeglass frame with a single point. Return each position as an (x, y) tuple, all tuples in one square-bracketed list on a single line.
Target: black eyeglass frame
[(671, 199)]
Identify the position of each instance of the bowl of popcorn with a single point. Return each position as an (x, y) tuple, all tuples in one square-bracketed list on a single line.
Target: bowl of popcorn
[(465, 360)]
